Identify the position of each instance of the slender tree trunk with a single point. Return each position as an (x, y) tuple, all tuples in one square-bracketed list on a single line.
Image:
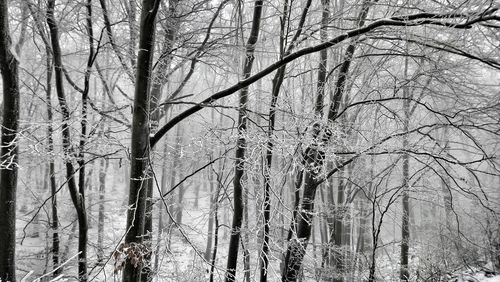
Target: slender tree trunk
[(246, 240), (323, 59), (180, 189), (404, 274), (445, 186), (51, 172), (104, 164), (211, 218), (314, 158), (77, 196), (277, 81), (216, 223), (173, 178), (161, 220), (140, 148), (232, 259), (338, 256), (9, 149), (132, 21)]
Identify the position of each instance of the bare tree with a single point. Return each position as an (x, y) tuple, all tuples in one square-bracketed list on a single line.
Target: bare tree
[(239, 170), (140, 147), (9, 150)]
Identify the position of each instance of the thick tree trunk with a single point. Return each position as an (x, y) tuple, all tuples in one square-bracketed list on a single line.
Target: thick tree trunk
[(140, 148), (159, 80), (9, 150), (232, 259)]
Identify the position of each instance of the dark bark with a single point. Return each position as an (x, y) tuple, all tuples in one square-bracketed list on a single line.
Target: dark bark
[(276, 86), (158, 83), (211, 218), (323, 59), (232, 259), (216, 223), (246, 239), (418, 19), (140, 150), (52, 177), (314, 158), (9, 149), (77, 195)]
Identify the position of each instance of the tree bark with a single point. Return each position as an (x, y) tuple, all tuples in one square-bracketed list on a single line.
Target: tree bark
[(314, 159), (52, 177), (9, 149), (277, 81), (140, 148), (77, 196), (161, 220), (404, 274), (232, 259), (159, 80), (211, 219), (103, 169)]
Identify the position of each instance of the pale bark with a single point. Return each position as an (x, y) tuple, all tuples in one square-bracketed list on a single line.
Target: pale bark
[(404, 274)]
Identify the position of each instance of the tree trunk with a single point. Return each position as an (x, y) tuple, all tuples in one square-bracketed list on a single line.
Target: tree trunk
[(159, 80), (314, 159), (216, 223), (211, 217), (404, 274), (161, 220), (9, 149), (232, 259), (132, 22), (77, 196), (338, 253), (277, 81), (51, 172), (140, 148), (180, 189), (104, 164)]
